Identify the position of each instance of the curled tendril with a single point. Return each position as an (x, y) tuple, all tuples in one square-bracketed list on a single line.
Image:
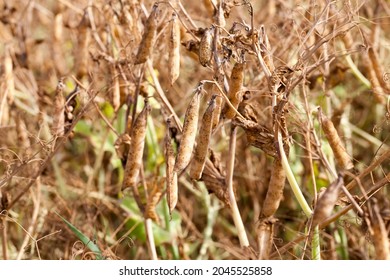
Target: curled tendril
[(129, 241), (386, 77), (361, 48), (376, 129), (278, 241), (77, 249), (88, 256), (273, 28)]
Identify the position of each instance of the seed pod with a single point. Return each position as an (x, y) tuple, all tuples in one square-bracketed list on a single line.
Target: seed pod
[(220, 15), (23, 140), (202, 146), (115, 93), (265, 233), (190, 127), (377, 89), (217, 111), (171, 177), (9, 90), (9, 74), (342, 157), (58, 45), (205, 47), (174, 50), (70, 106), (379, 232), (153, 199), (275, 190), (148, 38), (82, 55), (59, 110), (173, 193), (327, 201), (136, 150), (218, 100), (235, 90), (373, 56), (209, 5)]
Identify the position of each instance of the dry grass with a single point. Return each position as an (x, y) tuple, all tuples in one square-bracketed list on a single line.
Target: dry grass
[(272, 78)]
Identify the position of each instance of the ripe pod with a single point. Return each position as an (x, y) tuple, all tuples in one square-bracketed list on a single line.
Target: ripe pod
[(205, 47), (174, 50), (171, 176), (202, 146), (136, 149), (275, 190), (58, 128), (190, 127), (148, 38), (342, 158), (327, 201), (235, 90)]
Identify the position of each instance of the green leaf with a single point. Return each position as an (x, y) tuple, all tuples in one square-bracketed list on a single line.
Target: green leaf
[(136, 223), (107, 110), (83, 127), (83, 238)]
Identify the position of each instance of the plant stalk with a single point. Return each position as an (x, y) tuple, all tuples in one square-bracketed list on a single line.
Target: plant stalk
[(229, 181), (150, 239)]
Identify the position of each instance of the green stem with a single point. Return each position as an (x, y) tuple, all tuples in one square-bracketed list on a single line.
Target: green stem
[(293, 182), (315, 245), (167, 217), (356, 72)]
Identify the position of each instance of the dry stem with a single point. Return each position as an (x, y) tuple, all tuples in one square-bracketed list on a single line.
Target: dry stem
[(229, 181)]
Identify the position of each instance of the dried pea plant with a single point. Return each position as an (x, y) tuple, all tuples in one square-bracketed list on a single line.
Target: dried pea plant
[(218, 129)]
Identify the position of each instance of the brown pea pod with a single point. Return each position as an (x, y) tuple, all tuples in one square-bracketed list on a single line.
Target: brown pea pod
[(136, 150), (190, 127), (275, 190), (148, 38), (174, 50), (171, 176), (203, 141), (342, 158), (205, 47), (326, 201), (58, 128), (235, 90)]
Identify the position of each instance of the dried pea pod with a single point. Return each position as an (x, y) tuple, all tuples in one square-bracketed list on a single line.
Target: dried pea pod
[(342, 158), (275, 190), (136, 150), (235, 90), (171, 176), (190, 127), (148, 38), (205, 47), (174, 50), (202, 146)]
